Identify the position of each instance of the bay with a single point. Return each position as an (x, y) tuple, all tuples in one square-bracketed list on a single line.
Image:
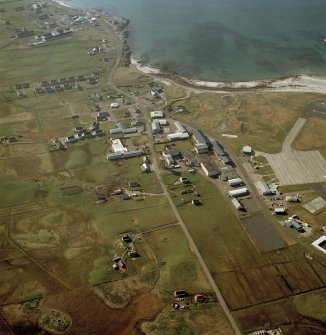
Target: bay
[(225, 40)]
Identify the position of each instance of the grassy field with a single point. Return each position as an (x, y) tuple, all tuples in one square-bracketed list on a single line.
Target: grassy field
[(179, 269), (312, 136), (252, 117), (207, 321), (173, 92), (126, 76)]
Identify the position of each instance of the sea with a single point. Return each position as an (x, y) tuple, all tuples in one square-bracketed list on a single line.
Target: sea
[(225, 40)]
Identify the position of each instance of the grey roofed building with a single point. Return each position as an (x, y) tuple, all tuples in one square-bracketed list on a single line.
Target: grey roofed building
[(226, 159), (200, 137), (172, 153), (203, 143), (121, 129), (156, 127), (218, 148), (263, 187), (177, 136), (180, 127), (210, 169), (201, 147), (228, 172), (123, 155)]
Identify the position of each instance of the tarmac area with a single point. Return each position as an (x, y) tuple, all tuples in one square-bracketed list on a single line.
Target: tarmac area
[(317, 108), (296, 167), (263, 233)]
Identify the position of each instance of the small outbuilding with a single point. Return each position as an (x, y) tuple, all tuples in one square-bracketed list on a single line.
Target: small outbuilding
[(115, 105), (157, 115), (145, 168), (238, 192), (234, 181), (247, 150)]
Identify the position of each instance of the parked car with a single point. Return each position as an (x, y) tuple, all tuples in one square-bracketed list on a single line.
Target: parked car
[(87, 134), (70, 139)]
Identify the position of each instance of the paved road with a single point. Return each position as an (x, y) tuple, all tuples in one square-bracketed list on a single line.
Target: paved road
[(191, 242), (167, 195), (286, 147)]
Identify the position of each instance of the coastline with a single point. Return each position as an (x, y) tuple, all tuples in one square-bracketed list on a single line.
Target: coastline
[(62, 3), (298, 83)]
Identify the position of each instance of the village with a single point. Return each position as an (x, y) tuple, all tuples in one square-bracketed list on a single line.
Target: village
[(117, 194)]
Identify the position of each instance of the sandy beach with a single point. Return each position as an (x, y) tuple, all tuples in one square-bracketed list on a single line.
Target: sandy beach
[(62, 3), (299, 83)]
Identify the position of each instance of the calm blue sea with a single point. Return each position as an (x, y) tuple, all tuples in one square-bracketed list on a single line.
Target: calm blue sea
[(225, 39)]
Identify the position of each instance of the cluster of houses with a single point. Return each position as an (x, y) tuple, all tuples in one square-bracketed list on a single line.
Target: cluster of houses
[(59, 85), (52, 36), (80, 133)]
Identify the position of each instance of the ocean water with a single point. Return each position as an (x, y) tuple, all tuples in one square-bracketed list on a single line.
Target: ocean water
[(225, 39)]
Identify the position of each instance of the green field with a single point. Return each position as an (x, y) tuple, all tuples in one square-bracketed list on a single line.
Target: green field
[(253, 117)]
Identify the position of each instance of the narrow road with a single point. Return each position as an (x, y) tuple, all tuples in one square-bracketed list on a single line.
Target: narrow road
[(167, 195), (191, 242)]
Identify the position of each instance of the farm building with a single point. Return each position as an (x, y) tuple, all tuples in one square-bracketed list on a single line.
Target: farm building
[(157, 115), (246, 150), (177, 136), (156, 127), (180, 127), (238, 192), (237, 204), (234, 181), (263, 188), (202, 141), (320, 244), (210, 169)]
